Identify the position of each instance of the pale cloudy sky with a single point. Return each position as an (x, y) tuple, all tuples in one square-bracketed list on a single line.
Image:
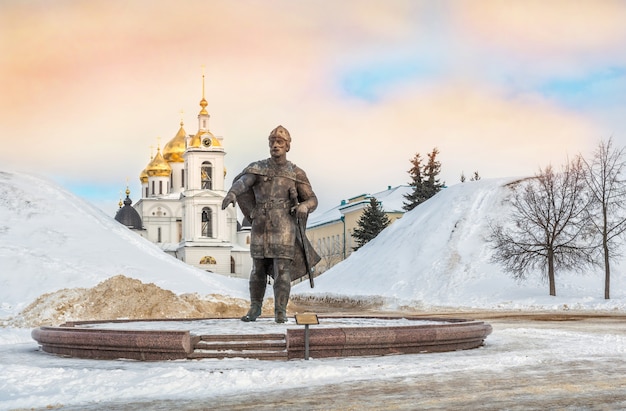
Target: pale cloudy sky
[(501, 87)]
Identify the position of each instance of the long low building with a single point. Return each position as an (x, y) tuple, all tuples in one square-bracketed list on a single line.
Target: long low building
[(330, 232)]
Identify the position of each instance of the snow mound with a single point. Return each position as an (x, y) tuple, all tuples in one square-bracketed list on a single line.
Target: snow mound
[(438, 254), (51, 239), (120, 297)]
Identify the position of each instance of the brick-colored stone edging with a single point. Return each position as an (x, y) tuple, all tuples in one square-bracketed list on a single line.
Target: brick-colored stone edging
[(151, 345)]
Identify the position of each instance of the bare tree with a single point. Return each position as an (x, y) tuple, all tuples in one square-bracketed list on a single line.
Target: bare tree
[(331, 251), (608, 193), (548, 224)]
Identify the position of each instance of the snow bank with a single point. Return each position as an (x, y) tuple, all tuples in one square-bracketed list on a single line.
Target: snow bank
[(51, 239), (438, 255)]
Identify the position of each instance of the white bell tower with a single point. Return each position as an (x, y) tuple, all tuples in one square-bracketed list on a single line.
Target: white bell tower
[(205, 224)]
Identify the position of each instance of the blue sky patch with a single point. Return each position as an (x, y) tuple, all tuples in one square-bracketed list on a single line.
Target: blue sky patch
[(595, 88), (368, 83)]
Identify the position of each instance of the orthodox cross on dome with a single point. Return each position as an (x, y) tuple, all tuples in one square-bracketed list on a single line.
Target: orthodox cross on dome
[(203, 102)]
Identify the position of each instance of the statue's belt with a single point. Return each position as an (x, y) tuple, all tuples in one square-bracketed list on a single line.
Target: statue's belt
[(274, 204)]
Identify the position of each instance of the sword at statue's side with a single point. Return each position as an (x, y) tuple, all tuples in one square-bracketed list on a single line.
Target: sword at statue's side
[(293, 195)]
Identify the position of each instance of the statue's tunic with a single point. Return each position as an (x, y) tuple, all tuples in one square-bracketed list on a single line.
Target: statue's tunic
[(277, 190)]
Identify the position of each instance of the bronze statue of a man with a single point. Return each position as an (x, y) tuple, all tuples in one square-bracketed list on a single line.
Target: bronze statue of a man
[(276, 196)]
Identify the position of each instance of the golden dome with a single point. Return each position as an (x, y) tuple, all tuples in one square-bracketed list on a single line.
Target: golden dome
[(203, 104), (158, 167), (174, 149), (143, 176), (204, 138)]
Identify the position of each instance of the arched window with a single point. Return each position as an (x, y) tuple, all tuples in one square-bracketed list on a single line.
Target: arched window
[(207, 222), (206, 175), (232, 265)]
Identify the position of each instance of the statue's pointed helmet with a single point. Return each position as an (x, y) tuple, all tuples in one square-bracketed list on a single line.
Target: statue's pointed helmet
[(281, 131)]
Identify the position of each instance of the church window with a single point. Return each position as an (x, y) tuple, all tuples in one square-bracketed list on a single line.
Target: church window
[(172, 179), (182, 178), (153, 188), (206, 173), (207, 222), (147, 192), (159, 235), (160, 187), (232, 265)]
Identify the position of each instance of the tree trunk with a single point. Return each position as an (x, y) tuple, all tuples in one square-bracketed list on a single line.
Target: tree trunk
[(607, 273), (551, 272), (605, 246)]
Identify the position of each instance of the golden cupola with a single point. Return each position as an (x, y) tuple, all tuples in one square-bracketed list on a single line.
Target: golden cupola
[(158, 167), (143, 177), (175, 148), (204, 138)]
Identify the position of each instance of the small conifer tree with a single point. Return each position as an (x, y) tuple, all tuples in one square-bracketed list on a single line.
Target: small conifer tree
[(372, 221), (423, 180)]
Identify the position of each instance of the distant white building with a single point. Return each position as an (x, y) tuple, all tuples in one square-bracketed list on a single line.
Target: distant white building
[(182, 189)]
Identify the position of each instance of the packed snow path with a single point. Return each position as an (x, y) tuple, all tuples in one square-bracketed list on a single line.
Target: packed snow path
[(527, 363)]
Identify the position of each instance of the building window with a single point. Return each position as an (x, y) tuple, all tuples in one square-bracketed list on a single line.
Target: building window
[(207, 222), (182, 178), (232, 265), (206, 174), (153, 188), (159, 235), (147, 192), (172, 179), (160, 187)]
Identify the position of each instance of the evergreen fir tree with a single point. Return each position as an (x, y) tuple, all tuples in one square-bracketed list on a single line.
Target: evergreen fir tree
[(372, 221), (416, 196), (432, 185), (424, 180)]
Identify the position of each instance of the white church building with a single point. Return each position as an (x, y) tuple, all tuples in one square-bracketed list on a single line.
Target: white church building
[(182, 189)]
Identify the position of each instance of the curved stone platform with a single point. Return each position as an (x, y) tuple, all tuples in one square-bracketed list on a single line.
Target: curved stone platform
[(331, 339)]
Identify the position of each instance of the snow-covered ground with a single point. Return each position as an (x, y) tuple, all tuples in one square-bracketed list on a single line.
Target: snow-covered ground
[(545, 365), (435, 256)]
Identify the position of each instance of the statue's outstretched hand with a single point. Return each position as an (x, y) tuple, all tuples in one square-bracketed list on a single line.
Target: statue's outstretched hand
[(229, 199)]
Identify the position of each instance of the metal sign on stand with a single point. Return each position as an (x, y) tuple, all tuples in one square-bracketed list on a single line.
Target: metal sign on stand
[(306, 319)]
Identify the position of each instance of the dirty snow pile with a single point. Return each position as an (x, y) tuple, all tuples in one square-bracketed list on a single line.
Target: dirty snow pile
[(121, 297)]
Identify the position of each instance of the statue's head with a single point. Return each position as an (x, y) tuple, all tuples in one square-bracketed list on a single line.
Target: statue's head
[(280, 136)]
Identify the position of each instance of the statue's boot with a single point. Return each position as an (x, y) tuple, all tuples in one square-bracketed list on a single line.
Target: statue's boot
[(282, 289), (257, 292)]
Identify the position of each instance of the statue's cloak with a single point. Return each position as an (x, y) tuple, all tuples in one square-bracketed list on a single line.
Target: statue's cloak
[(305, 257)]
